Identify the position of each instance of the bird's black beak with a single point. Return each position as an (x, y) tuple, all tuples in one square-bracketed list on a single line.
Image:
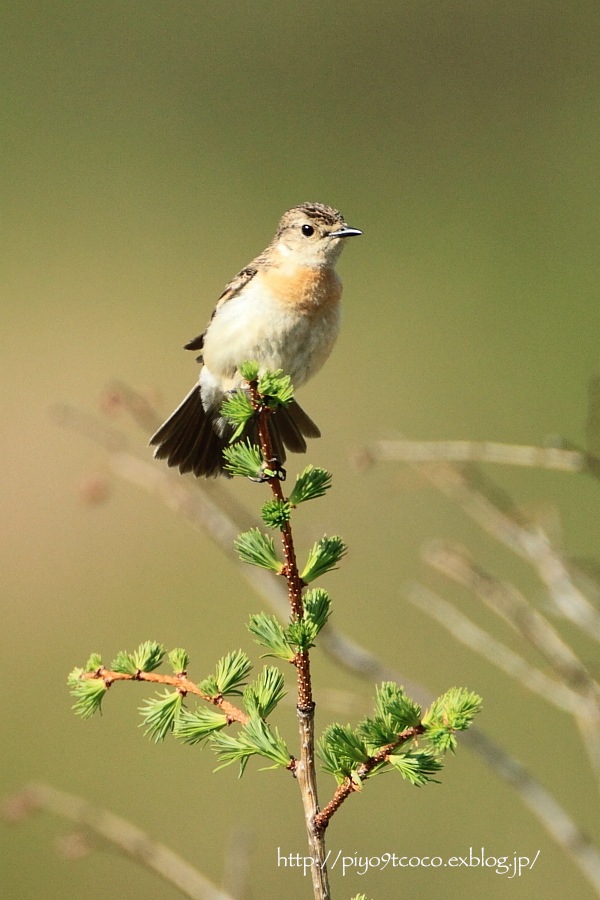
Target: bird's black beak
[(345, 232)]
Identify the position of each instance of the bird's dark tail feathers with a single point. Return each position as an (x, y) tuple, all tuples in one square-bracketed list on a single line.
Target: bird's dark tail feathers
[(194, 440)]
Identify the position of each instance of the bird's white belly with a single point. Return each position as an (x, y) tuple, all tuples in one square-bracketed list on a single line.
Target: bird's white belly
[(254, 326)]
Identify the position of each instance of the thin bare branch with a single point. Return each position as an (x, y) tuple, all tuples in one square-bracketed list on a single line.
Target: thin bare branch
[(120, 833), (555, 819), (494, 651), (506, 601), (480, 451), (483, 502), (236, 869)]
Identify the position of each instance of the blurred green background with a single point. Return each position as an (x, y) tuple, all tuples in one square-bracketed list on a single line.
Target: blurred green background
[(148, 150)]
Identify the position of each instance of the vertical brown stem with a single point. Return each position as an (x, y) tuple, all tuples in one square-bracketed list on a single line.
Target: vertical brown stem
[(305, 769), (306, 774), (294, 582)]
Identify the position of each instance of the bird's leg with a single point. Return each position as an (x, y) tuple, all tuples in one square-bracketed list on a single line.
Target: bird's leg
[(274, 466)]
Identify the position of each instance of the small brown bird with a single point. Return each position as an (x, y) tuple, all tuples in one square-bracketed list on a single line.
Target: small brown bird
[(282, 310)]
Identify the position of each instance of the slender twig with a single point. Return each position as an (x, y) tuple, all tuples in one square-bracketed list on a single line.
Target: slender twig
[(292, 575), (181, 682), (471, 635), (557, 458), (495, 512), (544, 805), (120, 833), (505, 600), (589, 729), (470, 489), (304, 768), (482, 501), (351, 785), (237, 862)]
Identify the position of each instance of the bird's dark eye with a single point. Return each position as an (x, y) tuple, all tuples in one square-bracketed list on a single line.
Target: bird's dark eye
[(307, 230)]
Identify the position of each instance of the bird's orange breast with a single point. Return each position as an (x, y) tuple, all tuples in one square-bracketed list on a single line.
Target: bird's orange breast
[(306, 289)]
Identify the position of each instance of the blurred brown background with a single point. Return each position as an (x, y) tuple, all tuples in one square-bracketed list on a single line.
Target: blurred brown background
[(148, 150)]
